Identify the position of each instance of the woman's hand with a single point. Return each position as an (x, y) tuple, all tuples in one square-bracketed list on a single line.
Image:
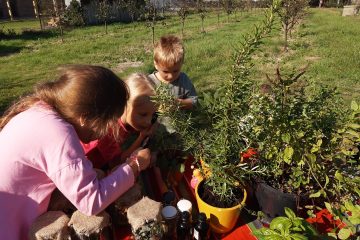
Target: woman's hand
[(139, 160)]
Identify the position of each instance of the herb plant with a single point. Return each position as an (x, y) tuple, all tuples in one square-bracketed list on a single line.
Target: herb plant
[(216, 138)]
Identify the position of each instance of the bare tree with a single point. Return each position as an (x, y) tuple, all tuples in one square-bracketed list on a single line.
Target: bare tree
[(291, 12)]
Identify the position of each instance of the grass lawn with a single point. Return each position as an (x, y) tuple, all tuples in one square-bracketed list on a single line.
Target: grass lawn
[(325, 40)]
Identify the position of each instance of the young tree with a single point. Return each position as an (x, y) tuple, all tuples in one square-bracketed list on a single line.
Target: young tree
[(291, 12), (74, 14), (200, 7), (150, 15), (133, 9), (228, 6), (104, 12), (58, 19), (183, 13)]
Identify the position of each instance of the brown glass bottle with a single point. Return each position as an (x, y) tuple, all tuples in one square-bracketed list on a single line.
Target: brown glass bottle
[(201, 228), (183, 229)]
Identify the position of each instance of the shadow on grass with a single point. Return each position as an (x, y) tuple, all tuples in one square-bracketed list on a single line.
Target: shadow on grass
[(29, 34), (5, 104), (8, 50)]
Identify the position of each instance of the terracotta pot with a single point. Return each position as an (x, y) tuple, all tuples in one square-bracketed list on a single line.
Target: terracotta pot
[(222, 220)]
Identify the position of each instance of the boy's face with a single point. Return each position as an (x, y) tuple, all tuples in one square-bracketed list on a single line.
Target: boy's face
[(169, 73)]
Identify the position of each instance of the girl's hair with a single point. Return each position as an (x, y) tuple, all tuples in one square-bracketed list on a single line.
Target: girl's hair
[(92, 92), (140, 85), (169, 51)]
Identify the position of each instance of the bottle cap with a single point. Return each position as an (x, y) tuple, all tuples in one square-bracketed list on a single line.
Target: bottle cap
[(184, 205), (168, 197), (169, 212)]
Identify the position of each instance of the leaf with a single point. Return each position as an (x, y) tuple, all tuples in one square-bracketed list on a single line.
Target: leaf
[(339, 176), (354, 106), (354, 126), (289, 213), (326, 180), (280, 223), (315, 195), (297, 236), (328, 207), (286, 138), (182, 168), (288, 153), (353, 133), (344, 233)]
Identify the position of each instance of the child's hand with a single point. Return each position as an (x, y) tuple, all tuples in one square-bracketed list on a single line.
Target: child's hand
[(185, 103), (143, 157)]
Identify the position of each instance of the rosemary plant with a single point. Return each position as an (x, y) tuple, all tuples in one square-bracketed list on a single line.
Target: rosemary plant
[(216, 137)]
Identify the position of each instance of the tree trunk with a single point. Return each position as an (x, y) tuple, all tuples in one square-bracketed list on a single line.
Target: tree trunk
[(320, 3), (55, 8), (286, 32), (9, 10), (153, 34), (182, 28)]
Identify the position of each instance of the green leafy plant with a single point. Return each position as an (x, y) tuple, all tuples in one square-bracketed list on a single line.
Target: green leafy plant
[(292, 127), (349, 214), (289, 227)]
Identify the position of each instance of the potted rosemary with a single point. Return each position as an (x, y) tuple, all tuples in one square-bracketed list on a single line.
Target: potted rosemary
[(216, 140)]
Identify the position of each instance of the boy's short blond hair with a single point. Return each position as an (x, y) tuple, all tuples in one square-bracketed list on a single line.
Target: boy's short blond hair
[(169, 51)]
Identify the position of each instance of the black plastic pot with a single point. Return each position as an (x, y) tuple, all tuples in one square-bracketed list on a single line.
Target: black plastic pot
[(272, 201)]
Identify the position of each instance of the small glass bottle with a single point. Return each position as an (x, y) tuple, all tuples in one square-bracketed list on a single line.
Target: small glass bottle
[(183, 229), (169, 215), (185, 205), (168, 198), (201, 228)]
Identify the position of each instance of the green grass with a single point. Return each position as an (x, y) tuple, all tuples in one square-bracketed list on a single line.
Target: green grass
[(325, 39)]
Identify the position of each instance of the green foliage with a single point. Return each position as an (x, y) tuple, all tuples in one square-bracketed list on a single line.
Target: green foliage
[(289, 227), (349, 214), (293, 126), (74, 14)]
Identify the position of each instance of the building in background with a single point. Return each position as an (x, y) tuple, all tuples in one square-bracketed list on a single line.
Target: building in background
[(20, 9)]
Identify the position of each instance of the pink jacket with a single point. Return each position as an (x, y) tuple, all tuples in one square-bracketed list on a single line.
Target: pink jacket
[(40, 151)]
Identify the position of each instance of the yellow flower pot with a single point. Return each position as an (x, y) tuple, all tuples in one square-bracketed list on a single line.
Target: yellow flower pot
[(222, 220)]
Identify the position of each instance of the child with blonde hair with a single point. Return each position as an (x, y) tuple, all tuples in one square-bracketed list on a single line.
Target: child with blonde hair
[(168, 59), (136, 119), (40, 147)]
